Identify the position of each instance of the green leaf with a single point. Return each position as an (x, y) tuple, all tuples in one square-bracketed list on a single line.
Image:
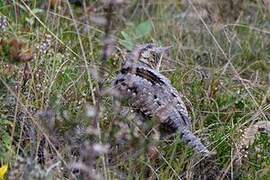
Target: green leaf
[(30, 20), (128, 42), (129, 45), (37, 10), (4, 122), (126, 36), (143, 29), (6, 140)]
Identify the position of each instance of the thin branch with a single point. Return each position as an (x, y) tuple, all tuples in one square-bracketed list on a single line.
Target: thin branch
[(104, 58)]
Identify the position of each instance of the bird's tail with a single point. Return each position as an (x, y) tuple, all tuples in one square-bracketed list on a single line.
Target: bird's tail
[(193, 142)]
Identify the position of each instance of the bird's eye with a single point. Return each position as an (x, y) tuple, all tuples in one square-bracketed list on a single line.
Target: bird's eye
[(149, 46)]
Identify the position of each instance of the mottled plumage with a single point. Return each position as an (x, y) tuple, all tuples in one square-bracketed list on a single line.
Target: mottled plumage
[(152, 94)]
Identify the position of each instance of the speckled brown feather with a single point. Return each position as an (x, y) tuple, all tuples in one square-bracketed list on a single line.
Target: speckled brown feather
[(152, 94)]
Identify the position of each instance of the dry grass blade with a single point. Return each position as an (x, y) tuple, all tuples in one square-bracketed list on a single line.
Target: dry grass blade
[(58, 59), (248, 139)]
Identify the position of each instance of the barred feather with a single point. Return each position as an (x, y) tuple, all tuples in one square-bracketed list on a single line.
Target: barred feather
[(152, 94)]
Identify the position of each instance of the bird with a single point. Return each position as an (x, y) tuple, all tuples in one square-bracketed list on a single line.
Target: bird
[(151, 94)]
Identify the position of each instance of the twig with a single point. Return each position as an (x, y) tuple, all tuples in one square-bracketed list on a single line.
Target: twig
[(104, 58), (248, 139)]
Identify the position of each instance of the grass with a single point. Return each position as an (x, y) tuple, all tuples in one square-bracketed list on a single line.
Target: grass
[(221, 66)]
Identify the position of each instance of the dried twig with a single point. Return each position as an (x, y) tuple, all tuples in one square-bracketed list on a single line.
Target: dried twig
[(248, 139), (104, 58), (107, 49)]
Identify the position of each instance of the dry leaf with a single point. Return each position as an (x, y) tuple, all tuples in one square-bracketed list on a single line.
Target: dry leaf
[(54, 3), (248, 138), (152, 153), (3, 171), (267, 4), (25, 56), (17, 51)]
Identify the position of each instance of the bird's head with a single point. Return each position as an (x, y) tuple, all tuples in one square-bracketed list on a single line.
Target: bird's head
[(150, 55)]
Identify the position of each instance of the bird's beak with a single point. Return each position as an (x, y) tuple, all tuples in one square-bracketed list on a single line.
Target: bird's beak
[(164, 50)]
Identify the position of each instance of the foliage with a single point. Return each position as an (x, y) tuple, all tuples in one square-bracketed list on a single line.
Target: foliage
[(140, 31), (50, 71)]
